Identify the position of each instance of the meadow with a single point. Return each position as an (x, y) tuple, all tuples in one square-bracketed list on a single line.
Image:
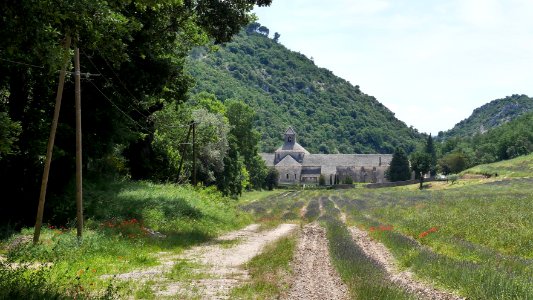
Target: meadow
[(129, 223), (473, 237)]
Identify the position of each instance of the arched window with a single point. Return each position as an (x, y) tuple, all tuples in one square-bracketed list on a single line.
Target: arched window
[(289, 139), (287, 176)]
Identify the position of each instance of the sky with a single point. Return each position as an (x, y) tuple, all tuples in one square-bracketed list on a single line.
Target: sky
[(430, 62)]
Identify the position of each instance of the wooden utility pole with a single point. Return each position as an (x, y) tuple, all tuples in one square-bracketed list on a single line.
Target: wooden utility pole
[(79, 187), (51, 140), (194, 153)]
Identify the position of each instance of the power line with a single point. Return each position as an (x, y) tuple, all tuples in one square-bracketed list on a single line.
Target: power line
[(118, 108), (21, 63), (111, 84)]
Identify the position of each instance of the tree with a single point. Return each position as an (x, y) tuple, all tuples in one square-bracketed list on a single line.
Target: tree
[(9, 132), (144, 41), (347, 180), (430, 149), (276, 37), (421, 164), (452, 163), (252, 27), (263, 30), (271, 180), (321, 180), (241, 119), (399, 166), (230, 180)]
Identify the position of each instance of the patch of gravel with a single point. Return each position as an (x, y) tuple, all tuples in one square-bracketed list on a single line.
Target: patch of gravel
[(314, 276), (405, 279), (220, 266)]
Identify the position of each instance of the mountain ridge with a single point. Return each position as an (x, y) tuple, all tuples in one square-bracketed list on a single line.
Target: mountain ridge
[(490, 115), (286, 88)]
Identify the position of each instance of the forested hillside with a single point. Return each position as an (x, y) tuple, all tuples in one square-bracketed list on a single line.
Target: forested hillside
[(490, 115), (287, 88), (510, 140)]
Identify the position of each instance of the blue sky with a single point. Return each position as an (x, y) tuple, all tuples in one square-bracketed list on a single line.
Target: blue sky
[(430, 62)]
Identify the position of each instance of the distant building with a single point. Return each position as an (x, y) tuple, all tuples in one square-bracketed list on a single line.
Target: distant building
[(296, 165)]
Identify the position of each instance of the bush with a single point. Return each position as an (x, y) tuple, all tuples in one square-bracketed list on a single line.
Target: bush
[(321, 180), (348, 180), (453, 178)]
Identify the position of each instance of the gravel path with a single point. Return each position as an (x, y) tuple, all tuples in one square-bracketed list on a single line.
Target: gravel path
[(219, 264), (314, 276)]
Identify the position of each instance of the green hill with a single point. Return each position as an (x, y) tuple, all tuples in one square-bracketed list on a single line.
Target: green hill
[(286, 88), (490, 115), (521, 166)]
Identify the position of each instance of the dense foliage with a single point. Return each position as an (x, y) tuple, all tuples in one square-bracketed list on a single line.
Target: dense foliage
[(287, 88), (399, 166), (507, 141), (137, 49), (490, 115)]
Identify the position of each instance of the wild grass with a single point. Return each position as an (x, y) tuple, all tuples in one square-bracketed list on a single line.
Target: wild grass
[(270, 272), (277, 208), (365, 278), (474, 239), (120, 233), (521, 166)]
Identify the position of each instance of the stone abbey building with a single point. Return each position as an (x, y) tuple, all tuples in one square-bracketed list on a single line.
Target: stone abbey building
[(296, 165)]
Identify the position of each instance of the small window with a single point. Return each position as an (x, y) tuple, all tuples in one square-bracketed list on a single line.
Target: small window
[(294, 176), (287, 176), (289, 139)]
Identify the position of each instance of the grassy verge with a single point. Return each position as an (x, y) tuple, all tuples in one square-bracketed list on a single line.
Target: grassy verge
[(365, 278), (270, 272), (128, 223)]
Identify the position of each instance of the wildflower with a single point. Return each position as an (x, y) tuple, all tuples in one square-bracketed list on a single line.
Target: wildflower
[(93, 270), (372, 228), (80, 272), (423, 234)]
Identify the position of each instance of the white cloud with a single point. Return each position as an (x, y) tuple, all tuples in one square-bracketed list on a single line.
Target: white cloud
[(483, 13)]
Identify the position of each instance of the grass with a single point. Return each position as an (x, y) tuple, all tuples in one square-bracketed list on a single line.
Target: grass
[(119, 234), (475, 239), (277, 208), (521, 166), (270, 272)]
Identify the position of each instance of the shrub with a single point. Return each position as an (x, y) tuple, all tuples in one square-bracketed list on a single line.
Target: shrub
[(453, 178), (321, 180), (348, 180)]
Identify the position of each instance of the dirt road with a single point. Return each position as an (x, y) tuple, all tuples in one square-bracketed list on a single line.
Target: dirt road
[(314, 276)]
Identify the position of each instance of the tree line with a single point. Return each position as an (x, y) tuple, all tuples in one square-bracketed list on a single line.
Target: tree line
[(136, 50), (456, 154)]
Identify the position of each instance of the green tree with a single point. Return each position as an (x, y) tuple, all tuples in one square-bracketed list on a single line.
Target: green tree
[(321, 180), (421, 165), (399, 166), (347, 180), (452, 163), (9, 132), (276, 37), (138, 47), (272, 177), (241, 118), (230, 180), (430, 149)]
